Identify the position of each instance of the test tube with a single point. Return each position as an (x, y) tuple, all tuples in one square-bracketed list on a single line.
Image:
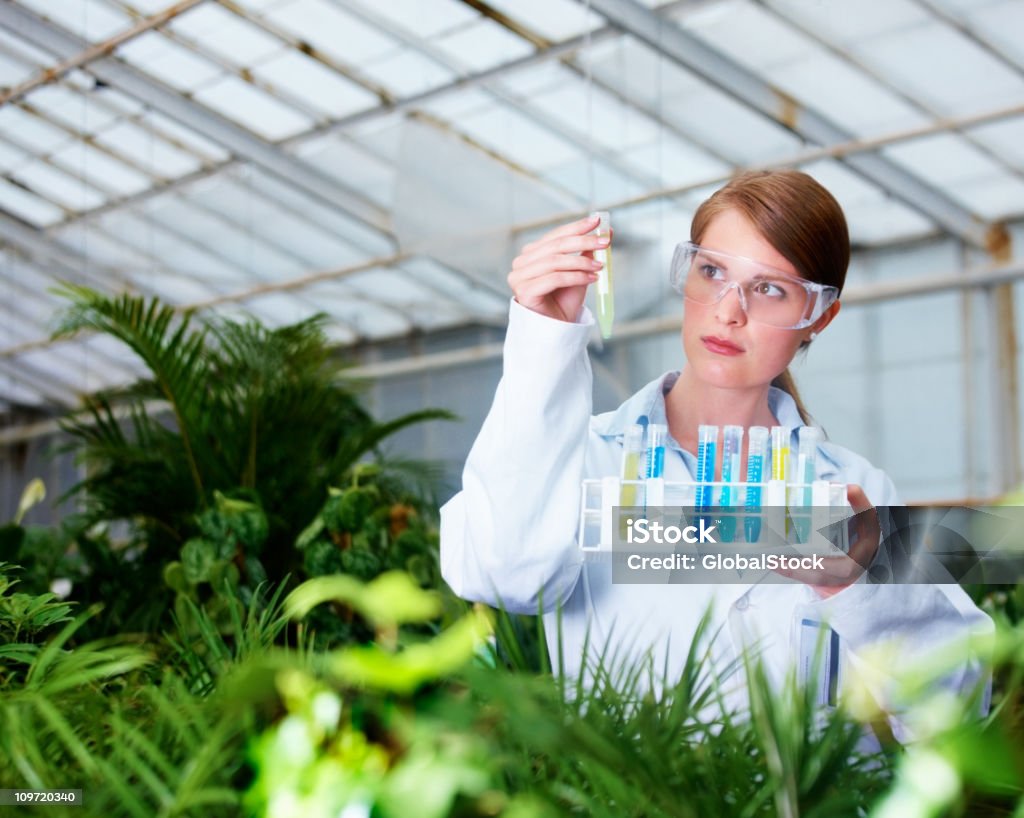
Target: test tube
[(654, 465), (605, 291), (732, 444), (632, 451), (757, 449), (780, 452), (707, 443), (806, 472)]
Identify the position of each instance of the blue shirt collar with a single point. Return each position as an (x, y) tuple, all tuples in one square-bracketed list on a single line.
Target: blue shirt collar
[(650, 401)]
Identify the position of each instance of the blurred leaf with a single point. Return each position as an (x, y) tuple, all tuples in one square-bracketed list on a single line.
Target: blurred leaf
[(392, 598)]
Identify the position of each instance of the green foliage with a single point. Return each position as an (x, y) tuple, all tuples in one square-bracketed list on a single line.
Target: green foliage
[(260, 422)]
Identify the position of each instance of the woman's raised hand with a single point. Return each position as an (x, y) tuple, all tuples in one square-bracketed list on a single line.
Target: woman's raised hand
[(550, 275)]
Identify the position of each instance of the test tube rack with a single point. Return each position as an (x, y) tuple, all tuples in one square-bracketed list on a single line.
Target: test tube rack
[(810, 507)]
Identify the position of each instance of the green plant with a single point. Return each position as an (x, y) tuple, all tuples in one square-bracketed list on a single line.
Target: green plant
[(256, 414)]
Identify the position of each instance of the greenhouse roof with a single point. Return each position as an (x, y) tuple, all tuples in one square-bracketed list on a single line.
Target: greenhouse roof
[(378, 159)]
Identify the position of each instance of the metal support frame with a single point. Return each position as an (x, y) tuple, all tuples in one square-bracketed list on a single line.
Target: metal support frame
[(201, 119), (742, 84)]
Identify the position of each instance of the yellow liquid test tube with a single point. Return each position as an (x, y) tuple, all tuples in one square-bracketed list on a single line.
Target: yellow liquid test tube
[(605, 291)]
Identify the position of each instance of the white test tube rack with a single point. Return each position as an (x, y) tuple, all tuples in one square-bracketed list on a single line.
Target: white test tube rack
[(828, 506)]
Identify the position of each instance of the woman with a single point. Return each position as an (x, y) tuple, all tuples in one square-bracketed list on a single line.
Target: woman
[(761, 278)]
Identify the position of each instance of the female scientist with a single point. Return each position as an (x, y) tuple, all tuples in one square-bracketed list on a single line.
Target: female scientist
[(761, 279)]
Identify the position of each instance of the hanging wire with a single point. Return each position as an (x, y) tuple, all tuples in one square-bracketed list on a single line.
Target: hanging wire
[(588, 90)]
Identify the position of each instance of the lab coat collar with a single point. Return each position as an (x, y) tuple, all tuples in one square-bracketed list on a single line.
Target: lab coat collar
[(650, 401)]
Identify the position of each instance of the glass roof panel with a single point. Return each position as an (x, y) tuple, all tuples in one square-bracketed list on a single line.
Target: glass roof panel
[(149, 238), (184, 138), (846, 95), (457, 287), (58, 186), (253, 109), (218, 31), (23, 128), (222, 240), (353, 165), (316, 85), (424, 18), (612, 124), (91, 242), (514, 136), (14, 72), (340, 224), (675, 162), (482, 45), (333, 30), (11, 156), (944, 69), (1005, 137), (848, 23), (101, 170), (1001, 23), (631, 66), (74, 109), (166, 60), (24, 52), (747, 34), (553, 19), (994, 197), (946, 159), (461, 103), (92, 19), (592, 180), (147, 150), (406, 73), (733, 129), (872, 214)]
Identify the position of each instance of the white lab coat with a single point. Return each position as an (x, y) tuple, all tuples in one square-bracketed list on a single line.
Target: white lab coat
[(509, 536)]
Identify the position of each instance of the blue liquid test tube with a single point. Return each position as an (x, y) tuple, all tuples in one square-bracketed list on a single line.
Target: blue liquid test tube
[(757, 449), (732, 445), (654, 465), (707, 444)]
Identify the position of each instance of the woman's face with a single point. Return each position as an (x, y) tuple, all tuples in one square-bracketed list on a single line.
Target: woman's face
[(722, 346)]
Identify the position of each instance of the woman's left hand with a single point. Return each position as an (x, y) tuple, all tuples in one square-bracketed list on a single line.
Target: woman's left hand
[(842, 570)]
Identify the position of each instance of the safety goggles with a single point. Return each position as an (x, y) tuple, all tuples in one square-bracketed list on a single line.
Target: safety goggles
[(767, 295)]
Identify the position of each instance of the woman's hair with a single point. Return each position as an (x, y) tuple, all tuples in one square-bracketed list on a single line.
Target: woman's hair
[(799, 218)]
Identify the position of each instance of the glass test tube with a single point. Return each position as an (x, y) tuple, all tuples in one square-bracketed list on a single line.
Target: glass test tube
[(605, 291), (780, 452), (632, 452), (806, 472), (757, 450), (732, 445), (654, 465), (707, 444)]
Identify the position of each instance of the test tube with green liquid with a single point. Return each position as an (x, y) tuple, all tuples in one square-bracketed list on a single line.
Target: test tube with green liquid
[(632, 452), (605, 291)]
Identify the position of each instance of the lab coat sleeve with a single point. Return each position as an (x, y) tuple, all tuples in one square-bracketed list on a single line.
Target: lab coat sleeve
[(508, 537), (889, 628)]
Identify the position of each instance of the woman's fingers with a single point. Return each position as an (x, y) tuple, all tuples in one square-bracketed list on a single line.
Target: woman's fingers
[(837, 572), (560, 246)]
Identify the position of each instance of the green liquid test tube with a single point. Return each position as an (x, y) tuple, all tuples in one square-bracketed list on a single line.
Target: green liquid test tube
[(605, 291), (632, 452)]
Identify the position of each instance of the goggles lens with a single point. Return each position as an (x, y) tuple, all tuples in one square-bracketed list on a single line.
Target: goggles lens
[(768, 296)]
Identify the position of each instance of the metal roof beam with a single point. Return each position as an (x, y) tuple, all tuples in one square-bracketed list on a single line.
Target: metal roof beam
[(742, 84), (201, 119)]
